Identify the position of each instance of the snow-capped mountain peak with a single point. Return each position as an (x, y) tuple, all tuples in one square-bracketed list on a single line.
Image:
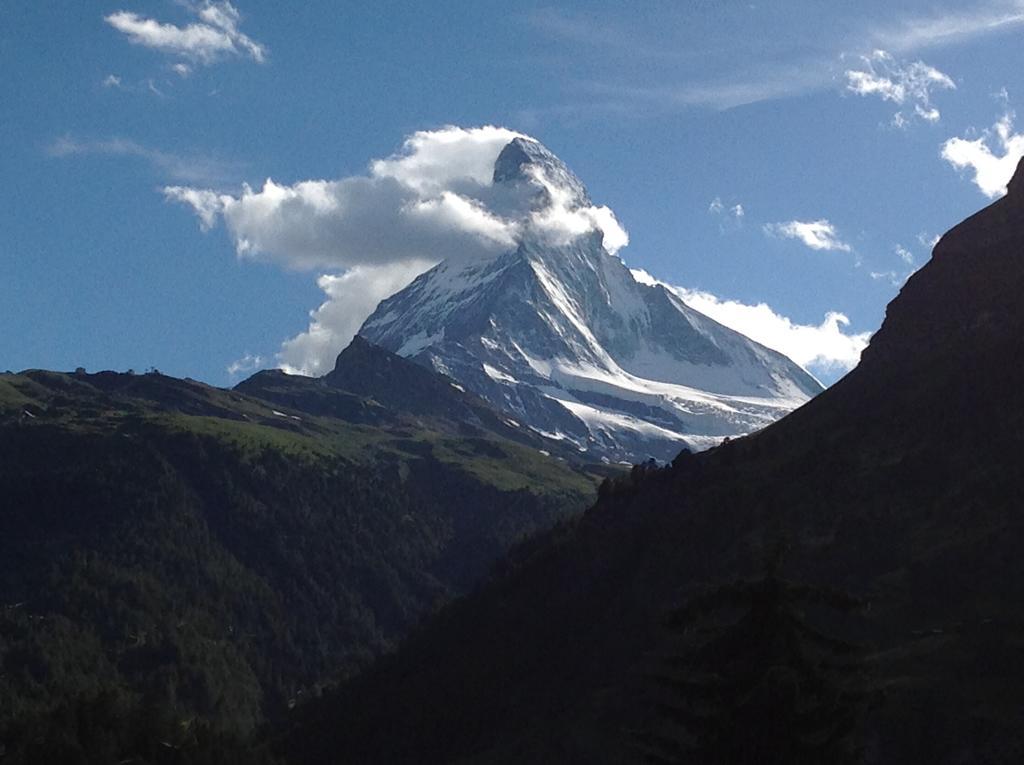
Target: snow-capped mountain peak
[(558, 332)]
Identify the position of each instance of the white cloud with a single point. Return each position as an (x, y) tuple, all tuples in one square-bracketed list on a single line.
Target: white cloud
[(248, 363), (351, 297), (926, 240), (824, 349), (190, 169), (213, 37), (434, 160), (992, 157), (112, 81), (433, 201), (901, 83), (206, 204), (816, 234), (354, 221), (370, 234), (562, 217)]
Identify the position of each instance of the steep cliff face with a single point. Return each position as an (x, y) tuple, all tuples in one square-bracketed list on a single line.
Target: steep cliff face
[(560, 334)]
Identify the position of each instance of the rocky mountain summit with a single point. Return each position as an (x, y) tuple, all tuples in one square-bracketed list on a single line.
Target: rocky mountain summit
[(558, 333)]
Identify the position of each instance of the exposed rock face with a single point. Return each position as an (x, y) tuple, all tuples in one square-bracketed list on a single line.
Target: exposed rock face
[(559, 333)]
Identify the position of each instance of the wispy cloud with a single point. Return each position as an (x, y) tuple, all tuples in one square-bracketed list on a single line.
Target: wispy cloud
[(210, 39), (825, 349), (619, 50), (590, 31), (992, 157), (901, 83), (897, 276), (248, 363), (189, 169), (950, 27), (816, 234), (663, 62), (117, 82), (890, 276), (742, 89), (717, 207), (730, 216)]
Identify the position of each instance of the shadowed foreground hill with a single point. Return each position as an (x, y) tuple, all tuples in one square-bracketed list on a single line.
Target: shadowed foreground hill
[(902, 484), (180, 563)]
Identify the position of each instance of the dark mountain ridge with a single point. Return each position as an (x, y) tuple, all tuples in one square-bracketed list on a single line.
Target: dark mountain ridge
[(902, 484), (372, 385)]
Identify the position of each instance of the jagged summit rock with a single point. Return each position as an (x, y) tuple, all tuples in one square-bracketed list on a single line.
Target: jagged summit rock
[(559, 333), (523, 158)]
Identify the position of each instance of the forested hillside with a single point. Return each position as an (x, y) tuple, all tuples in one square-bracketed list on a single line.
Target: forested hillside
[(180, 564)]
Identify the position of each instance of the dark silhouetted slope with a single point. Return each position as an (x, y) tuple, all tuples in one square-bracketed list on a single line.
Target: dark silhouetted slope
[(902, 484)]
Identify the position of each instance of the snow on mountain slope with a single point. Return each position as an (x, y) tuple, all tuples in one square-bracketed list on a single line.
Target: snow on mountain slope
[(560, 333)]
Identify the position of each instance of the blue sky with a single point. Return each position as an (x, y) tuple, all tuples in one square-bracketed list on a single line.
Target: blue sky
[(849, 138)]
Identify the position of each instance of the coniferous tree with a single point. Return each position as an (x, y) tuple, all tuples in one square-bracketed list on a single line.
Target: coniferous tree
[(752, 681)]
